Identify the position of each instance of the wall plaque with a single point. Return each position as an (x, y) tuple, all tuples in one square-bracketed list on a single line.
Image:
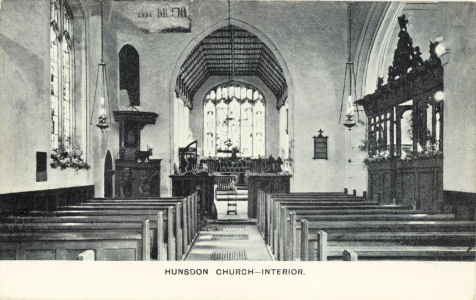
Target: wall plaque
[(164, 16), (320, 146)]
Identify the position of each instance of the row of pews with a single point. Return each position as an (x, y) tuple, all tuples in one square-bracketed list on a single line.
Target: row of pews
[(337, 226), (104, 229)]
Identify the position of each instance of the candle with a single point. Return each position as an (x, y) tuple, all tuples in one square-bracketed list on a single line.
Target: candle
[(102, 110), (350, 105)]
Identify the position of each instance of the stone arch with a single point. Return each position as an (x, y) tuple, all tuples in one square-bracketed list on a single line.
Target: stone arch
[(264, 38)]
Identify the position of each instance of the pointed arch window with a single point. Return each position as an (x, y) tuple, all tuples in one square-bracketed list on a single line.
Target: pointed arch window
[(61, 74), (129, 78), (234, 118)]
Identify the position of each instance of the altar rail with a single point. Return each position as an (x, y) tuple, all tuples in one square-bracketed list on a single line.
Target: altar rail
[(268, 165)]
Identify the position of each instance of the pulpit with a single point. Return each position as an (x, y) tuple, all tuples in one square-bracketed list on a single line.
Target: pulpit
[(137, 175)]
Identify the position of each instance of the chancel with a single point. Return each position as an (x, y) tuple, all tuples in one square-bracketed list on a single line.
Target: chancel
[(237, 130)]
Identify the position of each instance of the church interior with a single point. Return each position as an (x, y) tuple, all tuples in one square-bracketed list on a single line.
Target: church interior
[(237, 130)]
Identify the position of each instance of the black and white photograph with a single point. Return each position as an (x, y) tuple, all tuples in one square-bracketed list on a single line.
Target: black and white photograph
[(290, 134)]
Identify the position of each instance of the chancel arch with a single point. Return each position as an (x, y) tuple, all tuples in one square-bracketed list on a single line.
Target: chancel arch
[(255, 56)]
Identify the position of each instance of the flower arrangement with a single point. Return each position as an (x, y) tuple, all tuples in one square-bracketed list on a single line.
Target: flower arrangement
[(432, 150), (68, 157), (383, 156)]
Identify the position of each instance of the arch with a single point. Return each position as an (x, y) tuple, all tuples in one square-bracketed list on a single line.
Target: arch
[(243, 25), (129, 73), (264, 38), (374, 42)]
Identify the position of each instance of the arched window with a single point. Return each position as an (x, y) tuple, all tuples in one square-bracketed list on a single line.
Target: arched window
[(129, 73), (61, 74), (234, 120)]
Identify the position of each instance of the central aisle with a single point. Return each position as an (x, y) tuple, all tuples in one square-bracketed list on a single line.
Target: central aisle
[(229, 240)]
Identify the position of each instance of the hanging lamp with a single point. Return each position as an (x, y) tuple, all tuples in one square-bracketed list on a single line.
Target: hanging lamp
[(101, 87), (349, 88)]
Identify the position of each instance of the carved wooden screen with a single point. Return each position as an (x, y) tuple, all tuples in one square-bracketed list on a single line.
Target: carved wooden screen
[(405, 129)]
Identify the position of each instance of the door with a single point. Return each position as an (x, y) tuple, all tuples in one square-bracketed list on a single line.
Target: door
[(108, 173)]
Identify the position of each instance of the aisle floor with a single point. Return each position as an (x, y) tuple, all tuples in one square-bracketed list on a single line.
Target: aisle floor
[(229, 240)]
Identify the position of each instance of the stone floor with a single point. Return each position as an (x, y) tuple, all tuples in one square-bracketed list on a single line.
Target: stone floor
[(241, 209), (229, 240)]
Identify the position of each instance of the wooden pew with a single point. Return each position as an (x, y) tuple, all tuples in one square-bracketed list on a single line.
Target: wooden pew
[(262, 200), (306, 201), (185, 231), (338, 228), (388, 225), (118, 212), (410, 252), (324, 245), (156, 228), (174, 237), (399, 245), (67, 244), (275, 227), (288, 229)]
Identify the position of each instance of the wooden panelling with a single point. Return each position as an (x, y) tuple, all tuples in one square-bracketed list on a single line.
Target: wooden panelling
[(463, 204), (184, 185), (271, 183), (417, 183), (45, 199)]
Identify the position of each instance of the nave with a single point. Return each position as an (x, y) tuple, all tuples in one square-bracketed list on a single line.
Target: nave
[(288, 226)]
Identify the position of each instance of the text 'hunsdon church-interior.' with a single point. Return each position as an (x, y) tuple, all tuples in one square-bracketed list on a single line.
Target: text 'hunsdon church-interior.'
[(237, 130)]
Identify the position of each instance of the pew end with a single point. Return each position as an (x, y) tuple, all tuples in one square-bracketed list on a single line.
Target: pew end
[(87, 255), (349, 255)]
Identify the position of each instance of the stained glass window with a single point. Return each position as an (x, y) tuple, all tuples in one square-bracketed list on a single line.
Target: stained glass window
[(234, 121), (61, 74), (54, 73)]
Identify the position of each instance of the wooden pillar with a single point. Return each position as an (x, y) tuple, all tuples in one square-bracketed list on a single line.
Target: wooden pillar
[(433, 121), (293, 248), (192, 217), (271, 222), (369, 136), (283, 234), (145, 240), (189, 219), (170, 234), (178, 230), (258, 210), (268, 219), (185, 223), (415, 119), (161, 254), (392, 132), (304, 240), (276, 227), (321, 245), (441, 125), (398, 121)]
